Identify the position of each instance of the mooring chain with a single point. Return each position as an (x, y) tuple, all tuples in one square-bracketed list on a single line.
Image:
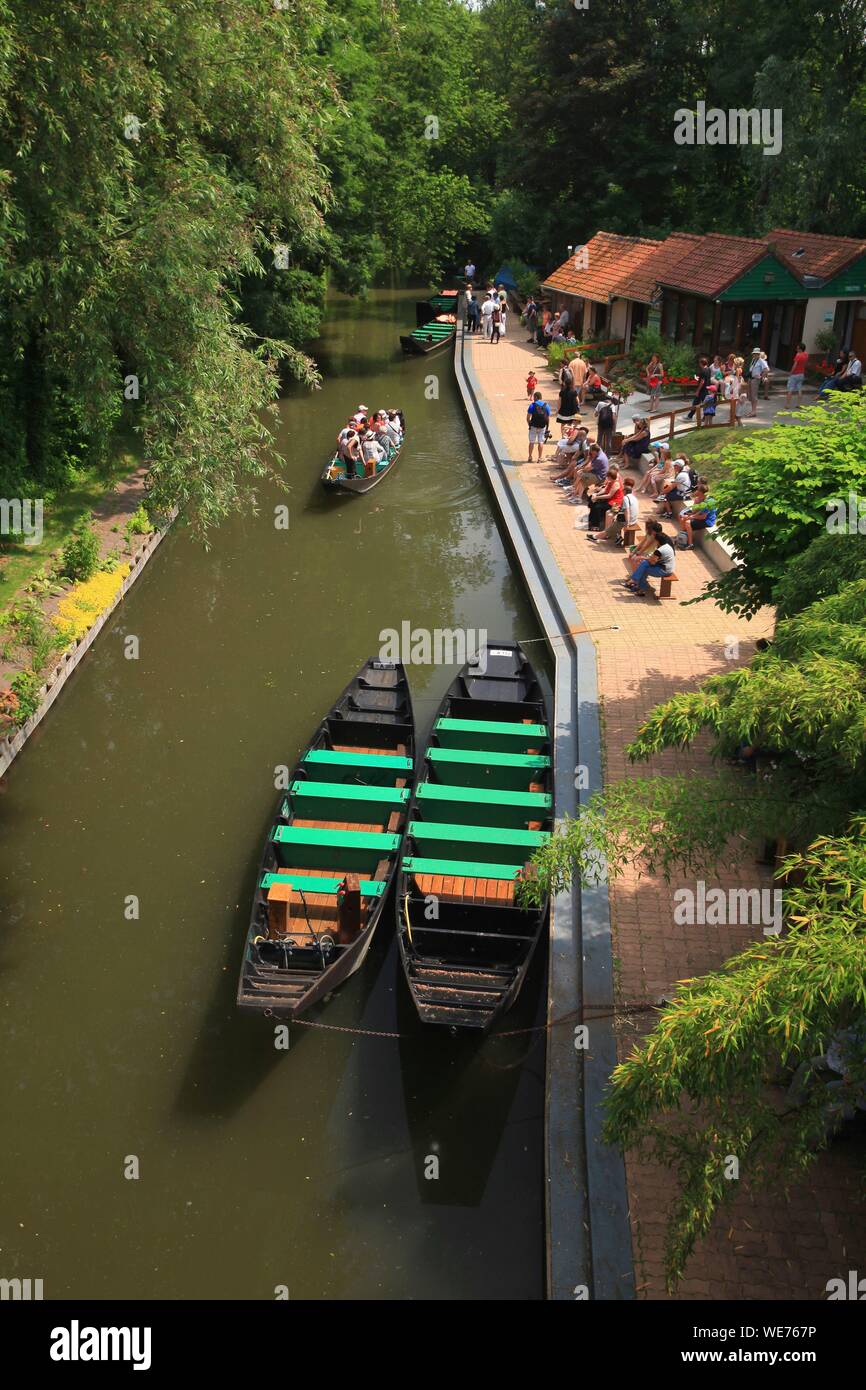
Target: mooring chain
[(575, 1014)]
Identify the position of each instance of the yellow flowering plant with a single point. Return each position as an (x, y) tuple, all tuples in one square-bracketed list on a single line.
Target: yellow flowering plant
[(80, 608)]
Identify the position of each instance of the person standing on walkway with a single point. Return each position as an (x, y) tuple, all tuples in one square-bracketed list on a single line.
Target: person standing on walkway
[(495, 321), (579, 371), (473, 313), (487, 315), (703, 375), (605, 421), (798, 373), (469, 270), (568, 408), (654, 376), (530, 318), (503, 310), (758, 368), (537, 418)]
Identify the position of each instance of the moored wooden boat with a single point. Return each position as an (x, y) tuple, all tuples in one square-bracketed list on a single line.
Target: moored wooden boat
[(445, 302), (332, 849), (481, 806), (430, 337)]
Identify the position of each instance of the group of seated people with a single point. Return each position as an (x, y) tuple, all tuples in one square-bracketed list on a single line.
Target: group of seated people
[(847, 374), (587, 475), (367, 441)]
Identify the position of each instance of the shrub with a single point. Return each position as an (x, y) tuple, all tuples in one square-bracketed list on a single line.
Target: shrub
[(827, 341), (27, 688), (774, 500), (679, 359), (80, 558), (139, 523), (824, 567)]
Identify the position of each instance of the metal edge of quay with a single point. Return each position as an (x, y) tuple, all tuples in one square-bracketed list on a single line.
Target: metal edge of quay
[(588, 1233)]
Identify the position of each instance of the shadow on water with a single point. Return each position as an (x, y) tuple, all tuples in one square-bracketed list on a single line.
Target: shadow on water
[(458, 1110)]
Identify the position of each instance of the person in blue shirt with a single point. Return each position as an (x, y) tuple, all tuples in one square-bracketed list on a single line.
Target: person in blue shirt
[(538, 419), (701, 515)]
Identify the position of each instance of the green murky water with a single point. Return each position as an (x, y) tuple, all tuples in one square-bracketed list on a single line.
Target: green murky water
[(154, 777)]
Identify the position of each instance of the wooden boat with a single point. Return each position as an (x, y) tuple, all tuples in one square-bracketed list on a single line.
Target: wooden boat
[(332, 850), (334, 476), (430, 337), (445, 302), (481, 807)]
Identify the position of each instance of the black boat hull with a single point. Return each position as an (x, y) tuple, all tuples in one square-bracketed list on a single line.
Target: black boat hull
[(465, 941), (365, 741)]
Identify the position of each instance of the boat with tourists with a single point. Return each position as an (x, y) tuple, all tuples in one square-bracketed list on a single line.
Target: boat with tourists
[(481, 807), (332, 848), (344, 475)]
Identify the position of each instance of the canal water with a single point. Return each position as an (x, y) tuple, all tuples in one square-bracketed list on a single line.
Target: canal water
[(156, 1144)]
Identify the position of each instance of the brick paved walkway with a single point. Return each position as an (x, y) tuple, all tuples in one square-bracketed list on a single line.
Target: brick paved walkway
[(762, 1247)]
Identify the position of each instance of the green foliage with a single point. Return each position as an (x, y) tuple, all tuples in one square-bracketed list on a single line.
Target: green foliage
[(678, 359), (79, 559), (827, 340), (827, 563), (139, 523), (590, 101), (774, 497), (32, 633), (27, 687), (701, 1087), (791, 727)]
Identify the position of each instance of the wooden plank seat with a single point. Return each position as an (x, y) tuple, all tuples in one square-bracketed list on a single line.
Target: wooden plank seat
[(366, 805), (343, 791), (399, 750), (491, 892), (459, 868), (319, 885), (496, 843), (483, 767), (322, 845), (443, 801), (309, 823), (492, 734), (358, 757), (665, 583)]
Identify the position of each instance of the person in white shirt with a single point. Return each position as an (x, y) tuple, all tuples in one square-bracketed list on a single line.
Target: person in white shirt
[(759, 367), (372, 452), (487, 314), (853, 377), (469, 271)]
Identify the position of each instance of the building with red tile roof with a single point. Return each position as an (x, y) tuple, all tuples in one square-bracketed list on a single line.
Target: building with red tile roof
[(717, 292)]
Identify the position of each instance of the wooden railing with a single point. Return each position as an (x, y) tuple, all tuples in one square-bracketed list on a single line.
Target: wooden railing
[(699, 423)]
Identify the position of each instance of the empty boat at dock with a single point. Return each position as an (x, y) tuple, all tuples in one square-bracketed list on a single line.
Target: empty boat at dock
[(481, 807), (332, 849)]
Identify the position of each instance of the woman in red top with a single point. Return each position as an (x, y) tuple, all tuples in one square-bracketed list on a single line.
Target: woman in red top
[(608, 497), (798, 371)]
